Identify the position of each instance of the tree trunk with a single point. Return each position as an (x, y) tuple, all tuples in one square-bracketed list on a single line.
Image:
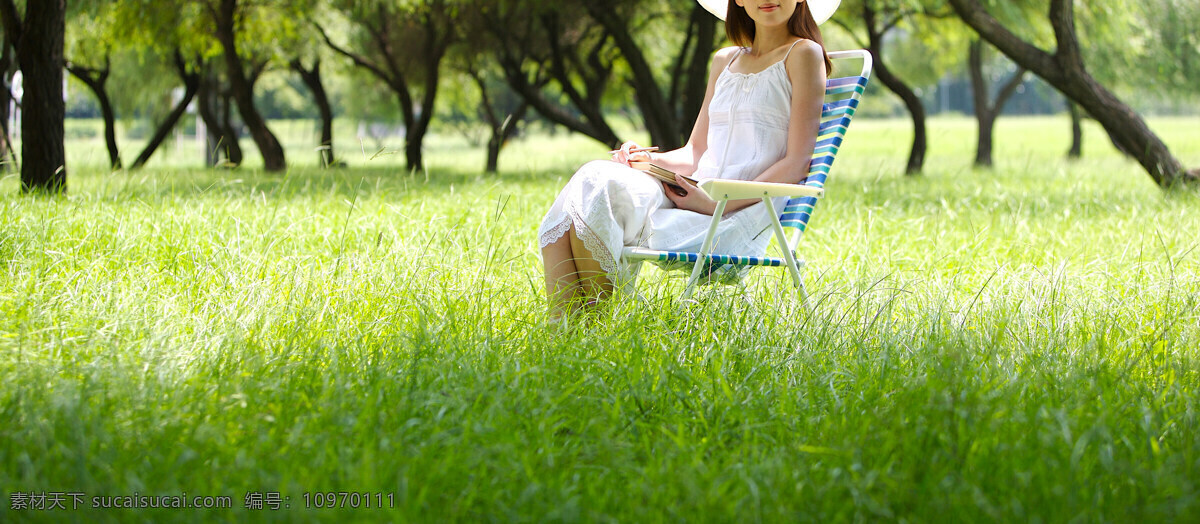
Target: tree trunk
[(7, 68), (696, 76), (987, 110), (982, 107), (7, 156), (243, 89), (191, 84), (40, 54), (983, 147), (501, 134), (231, 140), (110, 128), (414, 137), (97, 81), (214, 108), (206, 111), (916, 156), (493, 153), (501, 130), (1076, 150), (436, 41), (312, 79), (1065, 71)]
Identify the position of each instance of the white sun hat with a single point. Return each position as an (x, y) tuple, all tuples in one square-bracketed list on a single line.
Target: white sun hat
[(821, 9)]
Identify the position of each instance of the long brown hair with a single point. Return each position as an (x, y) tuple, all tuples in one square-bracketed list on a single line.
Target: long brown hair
[(740, 28)]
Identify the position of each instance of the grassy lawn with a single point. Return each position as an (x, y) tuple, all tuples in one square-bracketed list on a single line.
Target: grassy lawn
[(1010, 345)]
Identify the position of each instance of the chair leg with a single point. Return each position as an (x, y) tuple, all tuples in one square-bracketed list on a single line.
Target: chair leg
[(705, 249), (801, 288), (692, 280)]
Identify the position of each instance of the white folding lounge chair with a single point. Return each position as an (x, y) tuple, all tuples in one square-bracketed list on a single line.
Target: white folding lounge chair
[(841, 100)]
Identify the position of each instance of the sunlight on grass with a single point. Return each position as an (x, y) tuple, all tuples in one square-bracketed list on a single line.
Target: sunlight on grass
[(1019, 344)]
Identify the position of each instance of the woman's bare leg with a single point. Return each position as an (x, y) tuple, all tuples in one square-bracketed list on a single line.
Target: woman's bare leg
[(572, 274), (593, 281), (562, 280)]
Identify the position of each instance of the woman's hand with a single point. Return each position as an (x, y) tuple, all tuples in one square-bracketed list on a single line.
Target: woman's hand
[(693, 200), (625, 154)]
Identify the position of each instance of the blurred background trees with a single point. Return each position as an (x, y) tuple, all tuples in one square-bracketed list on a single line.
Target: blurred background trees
[(224, 69), (1066, 69)]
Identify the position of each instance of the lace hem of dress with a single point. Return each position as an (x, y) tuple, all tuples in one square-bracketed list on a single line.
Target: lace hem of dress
[(591, 241), (552, 235)]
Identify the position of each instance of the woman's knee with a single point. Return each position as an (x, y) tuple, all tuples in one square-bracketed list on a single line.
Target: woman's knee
[(594, 173)]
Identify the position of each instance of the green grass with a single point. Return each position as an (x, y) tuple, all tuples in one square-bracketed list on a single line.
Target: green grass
[(1016, 345)]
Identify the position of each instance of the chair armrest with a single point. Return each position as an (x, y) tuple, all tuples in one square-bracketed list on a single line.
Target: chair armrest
[(721, 189)]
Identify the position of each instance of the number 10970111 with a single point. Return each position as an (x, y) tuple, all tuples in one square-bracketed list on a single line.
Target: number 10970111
[(349, 499)]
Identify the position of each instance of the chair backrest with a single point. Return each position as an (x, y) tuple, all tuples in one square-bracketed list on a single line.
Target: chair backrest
[(841, 101)]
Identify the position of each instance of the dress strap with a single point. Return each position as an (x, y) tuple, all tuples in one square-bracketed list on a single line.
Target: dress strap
[(789, 51), (741, 51)]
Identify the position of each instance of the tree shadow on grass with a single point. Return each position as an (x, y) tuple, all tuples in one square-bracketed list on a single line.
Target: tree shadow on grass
[(300, 183)]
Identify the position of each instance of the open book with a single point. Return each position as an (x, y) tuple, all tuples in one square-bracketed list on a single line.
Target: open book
[(665, 175)]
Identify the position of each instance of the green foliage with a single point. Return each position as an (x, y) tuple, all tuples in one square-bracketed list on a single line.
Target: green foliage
[(1144, 45), (161, 26), (1025, 18), (922, 54)]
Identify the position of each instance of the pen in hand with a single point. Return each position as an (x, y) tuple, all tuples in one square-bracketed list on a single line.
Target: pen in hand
[(636, 150)]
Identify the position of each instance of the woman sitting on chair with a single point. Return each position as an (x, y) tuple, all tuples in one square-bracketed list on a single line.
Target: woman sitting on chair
[(759, 122)]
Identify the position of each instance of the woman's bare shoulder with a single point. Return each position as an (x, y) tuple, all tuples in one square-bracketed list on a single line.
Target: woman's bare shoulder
[(728, 52), (806, 55), (808, 47), (725, 55)]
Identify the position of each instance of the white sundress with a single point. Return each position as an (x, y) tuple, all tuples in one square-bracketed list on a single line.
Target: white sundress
[(613, 206)]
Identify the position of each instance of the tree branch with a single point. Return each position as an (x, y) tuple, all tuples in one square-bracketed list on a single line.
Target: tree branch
[(532, 94), (891, 24), (681, 58), (857, 39), (976, 16), (1010, 87), (601, 72), (380, 36), (485, 101), (1062, 19), (257, 67), (558, 65), (979, 84), (354, 57)]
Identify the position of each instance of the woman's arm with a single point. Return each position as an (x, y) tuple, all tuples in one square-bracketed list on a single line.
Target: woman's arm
[(806, 70)]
